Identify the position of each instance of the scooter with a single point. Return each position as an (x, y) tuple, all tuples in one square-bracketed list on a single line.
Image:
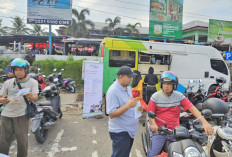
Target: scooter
[(67, 84), (47, 113), (188, 141), (220, 144)]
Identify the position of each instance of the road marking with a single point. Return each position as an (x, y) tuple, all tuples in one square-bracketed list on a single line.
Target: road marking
[(94, 154), (138, 153), (94, 142), (64, 149), (54, 148), (94, 131)]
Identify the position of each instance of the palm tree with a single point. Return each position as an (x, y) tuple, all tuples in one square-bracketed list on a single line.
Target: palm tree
[(80, 26), (38, 30), (19, 27), (3, 30), (132, 30), (112, 24)]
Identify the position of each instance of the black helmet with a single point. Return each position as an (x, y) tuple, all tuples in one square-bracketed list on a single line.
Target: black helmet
[(20, 63), (169, 77), (216, 105), (220, 80)]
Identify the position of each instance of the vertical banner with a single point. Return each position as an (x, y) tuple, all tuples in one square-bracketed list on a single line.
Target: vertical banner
[(165, 20), (220, 31), (54, 12), (93, 81)]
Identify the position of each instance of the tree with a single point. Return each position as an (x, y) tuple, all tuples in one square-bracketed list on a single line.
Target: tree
[(3, 30), (112, 24), (38, 30), (19, 27), (80, 26), (132, 30)]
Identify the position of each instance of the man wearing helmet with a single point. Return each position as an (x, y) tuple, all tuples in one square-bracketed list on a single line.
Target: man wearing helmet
[(14, 119), (166, 104)]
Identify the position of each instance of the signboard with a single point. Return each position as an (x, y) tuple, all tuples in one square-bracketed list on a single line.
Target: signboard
[(228, 56), (166, 18), (93, 81), (220, 31), (54, 12)]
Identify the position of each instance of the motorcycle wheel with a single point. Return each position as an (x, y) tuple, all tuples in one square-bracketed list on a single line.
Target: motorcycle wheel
[(41, 135), (61, 114), (144, 141), (72, 89)]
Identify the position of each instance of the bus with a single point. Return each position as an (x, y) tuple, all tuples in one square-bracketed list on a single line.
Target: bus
[(188, 62)]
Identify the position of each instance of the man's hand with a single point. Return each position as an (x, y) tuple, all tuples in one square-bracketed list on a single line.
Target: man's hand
[(132, 102), (4, 100), (10, 75), (31, 96), (154, 127), (208, 129)]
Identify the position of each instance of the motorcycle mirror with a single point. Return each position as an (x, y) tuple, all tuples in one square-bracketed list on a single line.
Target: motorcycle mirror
[(44, 75), (54, 69), (38, 69), (62, 69), (151, 114), (206, 113)]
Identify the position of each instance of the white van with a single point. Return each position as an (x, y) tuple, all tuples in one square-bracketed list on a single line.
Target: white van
[(188, 62)]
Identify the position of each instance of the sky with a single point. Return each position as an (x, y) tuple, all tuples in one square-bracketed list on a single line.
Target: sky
[(130, 11)]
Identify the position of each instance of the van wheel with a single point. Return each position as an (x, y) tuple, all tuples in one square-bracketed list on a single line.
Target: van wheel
[(212, 88)]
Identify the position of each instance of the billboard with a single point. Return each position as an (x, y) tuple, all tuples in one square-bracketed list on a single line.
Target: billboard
[(54, 12), (220, 31), (165, 20)]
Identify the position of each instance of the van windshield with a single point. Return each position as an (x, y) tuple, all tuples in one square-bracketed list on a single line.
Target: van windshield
[(219, 66)]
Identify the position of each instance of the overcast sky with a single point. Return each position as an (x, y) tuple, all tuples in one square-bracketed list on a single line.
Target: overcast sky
[(131, 11)]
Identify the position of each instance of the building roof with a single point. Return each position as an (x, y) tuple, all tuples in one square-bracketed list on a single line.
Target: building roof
[(194, 24)]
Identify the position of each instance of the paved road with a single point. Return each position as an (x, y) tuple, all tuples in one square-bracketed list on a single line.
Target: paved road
[(73, 136)]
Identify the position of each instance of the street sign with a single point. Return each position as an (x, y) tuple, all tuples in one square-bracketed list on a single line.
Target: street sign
[(229, 56)]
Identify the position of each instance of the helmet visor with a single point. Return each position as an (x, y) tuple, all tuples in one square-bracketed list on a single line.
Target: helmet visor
[(168, 77), (18, 62)]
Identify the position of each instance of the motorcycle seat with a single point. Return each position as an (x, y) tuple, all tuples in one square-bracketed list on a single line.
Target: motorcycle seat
[(44, 103)]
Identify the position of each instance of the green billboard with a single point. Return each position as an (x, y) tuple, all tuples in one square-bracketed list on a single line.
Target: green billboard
[(166, 19), (220, 31)]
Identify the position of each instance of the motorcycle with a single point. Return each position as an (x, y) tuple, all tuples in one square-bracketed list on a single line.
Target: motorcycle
[(196, 97), (219, 145), (67, 84), (216, 91), (188, 141), (40, 78), (4, 78), (47, 113)]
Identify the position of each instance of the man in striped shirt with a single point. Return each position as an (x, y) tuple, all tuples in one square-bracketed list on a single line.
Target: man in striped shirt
[(166, 104)]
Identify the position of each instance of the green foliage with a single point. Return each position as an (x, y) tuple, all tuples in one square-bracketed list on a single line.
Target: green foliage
[(72, 69), (4, 62), (70, 57)]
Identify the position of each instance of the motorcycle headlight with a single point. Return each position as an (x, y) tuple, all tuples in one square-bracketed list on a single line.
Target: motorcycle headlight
[(175, 154), (191, 152)]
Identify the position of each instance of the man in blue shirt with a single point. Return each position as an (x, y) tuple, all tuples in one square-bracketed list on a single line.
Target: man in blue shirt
[(120, 106)]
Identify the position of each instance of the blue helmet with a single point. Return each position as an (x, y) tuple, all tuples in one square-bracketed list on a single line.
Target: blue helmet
[(20, 63), (169, 77)]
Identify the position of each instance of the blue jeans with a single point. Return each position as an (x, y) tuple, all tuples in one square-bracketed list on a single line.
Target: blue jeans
[(121, 143), (157, 143)]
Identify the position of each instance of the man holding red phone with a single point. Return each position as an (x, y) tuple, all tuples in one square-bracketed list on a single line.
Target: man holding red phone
[(120, 106)]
